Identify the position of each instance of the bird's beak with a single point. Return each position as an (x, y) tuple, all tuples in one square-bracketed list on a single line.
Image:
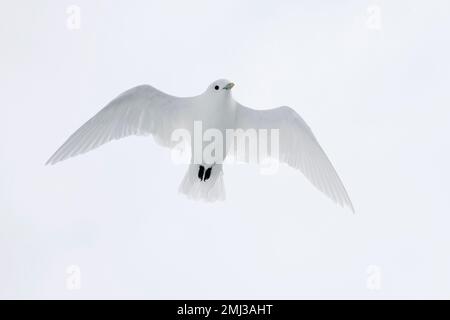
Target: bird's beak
[(229, 86)]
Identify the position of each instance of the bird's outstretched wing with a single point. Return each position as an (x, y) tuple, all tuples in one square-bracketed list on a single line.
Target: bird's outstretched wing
[(297, 147), (142, 110)]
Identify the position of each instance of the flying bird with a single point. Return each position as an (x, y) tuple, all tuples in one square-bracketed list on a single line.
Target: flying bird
[(145, 110)]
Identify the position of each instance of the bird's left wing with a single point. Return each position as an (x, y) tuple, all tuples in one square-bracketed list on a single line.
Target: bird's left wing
[(298, 148), (142, 110)]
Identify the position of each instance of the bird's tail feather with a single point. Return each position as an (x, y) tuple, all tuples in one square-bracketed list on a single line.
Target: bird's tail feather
[(196, 186)]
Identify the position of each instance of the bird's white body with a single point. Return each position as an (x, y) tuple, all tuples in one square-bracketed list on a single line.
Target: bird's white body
[(145, 110), (213, 112)]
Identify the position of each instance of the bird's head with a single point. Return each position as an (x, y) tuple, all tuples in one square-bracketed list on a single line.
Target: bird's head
[(220, 87)]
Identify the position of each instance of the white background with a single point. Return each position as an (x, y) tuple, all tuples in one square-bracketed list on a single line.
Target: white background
[(375, 92)]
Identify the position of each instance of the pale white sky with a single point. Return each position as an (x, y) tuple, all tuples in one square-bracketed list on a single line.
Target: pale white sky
[(370, 78)]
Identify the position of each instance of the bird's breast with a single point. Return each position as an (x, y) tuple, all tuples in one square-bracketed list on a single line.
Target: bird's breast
[(215, 115)]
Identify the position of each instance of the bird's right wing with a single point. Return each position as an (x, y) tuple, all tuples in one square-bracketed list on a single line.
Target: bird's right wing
[(142, 110), (298, 148)]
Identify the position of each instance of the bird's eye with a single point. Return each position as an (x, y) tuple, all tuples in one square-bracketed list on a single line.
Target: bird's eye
[(216, 87)]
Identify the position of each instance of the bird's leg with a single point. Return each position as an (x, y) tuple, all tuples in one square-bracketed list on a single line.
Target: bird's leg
[(201, 170), (207, 174), (203, 174)]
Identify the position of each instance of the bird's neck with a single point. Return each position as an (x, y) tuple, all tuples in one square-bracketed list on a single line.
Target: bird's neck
[(219, 103)]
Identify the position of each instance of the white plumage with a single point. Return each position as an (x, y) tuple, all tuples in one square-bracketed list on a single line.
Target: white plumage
[(145, 110)]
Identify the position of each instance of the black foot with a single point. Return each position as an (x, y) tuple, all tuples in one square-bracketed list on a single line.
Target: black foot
[(204, 175), (207, 174), (201, 170)]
